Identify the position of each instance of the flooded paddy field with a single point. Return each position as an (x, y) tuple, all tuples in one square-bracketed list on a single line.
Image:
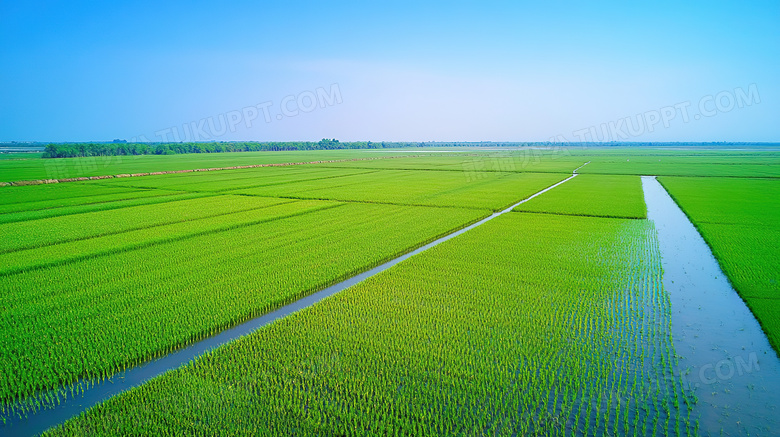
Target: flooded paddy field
[(513, 292)]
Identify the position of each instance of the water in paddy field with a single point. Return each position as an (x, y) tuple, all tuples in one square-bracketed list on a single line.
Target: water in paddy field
[(725, 358), (630, 388), (43, 414)]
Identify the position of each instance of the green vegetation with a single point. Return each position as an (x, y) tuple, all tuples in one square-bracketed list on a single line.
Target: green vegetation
[(473, 162), (104, 313), (23, 260), (71, 150), (593, 195), (60, 168), (740, 220), (44, 232), (78, 205), (549, 320), (123, 148), (727, 200), (491, 190), (656, 160), (678, 169), (21, 155), (670, 162), (562, 327), (218, 181), (80, 200), (25, 198)]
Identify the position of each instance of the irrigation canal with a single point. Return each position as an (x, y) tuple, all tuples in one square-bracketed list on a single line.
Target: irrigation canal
[(725, 358), (96, 392)]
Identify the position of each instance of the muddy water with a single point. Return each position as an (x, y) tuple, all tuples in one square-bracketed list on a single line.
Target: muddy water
[(725, 358), (92, 393)]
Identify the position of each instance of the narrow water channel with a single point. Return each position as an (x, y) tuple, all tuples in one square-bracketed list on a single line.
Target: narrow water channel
[(95, 392), (725, 357)]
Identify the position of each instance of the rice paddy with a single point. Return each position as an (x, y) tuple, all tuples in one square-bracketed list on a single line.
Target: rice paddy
[(58, 168), (551, 319), (144, 302), (593, 195), (740, 220), (480, 335), (487, 190)]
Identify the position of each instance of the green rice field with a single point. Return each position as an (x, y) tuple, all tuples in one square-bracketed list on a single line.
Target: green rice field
[(593, 195), (549, 319), (740, 220), (479, 336)]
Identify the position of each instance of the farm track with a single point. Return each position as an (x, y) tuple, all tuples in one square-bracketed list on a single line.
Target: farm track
[(583, 165), (92, 392), (355, 274)]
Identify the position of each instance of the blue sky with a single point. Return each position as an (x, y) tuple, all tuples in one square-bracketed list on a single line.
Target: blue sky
[(392, 71)]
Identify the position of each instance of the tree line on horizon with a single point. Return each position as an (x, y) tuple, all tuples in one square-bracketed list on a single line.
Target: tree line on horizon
[(73, 150), (122, 148)]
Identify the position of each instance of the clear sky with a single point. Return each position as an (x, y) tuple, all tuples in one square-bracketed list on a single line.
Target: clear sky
[(392, 71)]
